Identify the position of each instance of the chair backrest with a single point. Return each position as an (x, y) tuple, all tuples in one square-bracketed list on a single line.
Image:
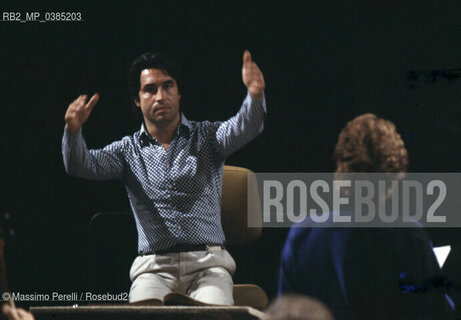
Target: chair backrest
[(236, 211)]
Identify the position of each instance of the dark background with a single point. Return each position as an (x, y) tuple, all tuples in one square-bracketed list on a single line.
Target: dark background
[(324, 63)]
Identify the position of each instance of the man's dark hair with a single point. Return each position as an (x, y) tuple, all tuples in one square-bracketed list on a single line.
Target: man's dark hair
[(149, 60)]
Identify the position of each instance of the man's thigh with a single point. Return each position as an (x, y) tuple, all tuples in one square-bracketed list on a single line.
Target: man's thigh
[(152, 277), (212, 277), (150, 286), (213, 285)]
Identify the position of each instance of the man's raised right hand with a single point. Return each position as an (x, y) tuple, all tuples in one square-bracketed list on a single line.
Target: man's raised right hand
[(79, 111)]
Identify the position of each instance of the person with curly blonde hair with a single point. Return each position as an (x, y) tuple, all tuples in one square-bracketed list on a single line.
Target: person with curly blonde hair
[(357, 272)]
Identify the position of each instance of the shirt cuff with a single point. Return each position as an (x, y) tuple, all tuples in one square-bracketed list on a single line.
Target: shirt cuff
[(72, 137), (261, 103)]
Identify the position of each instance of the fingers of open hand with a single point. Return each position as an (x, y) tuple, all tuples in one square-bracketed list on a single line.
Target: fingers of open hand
[(16, 314), (7, 311), (75, 107), (246, 57), (94, 99), (252, 75), (78, 103), (24, 315)]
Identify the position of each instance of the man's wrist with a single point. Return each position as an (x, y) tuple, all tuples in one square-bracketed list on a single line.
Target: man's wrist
[(256, 96), (72, 135), (71, 130)]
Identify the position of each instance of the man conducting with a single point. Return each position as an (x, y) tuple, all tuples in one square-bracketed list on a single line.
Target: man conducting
[(172, 170)]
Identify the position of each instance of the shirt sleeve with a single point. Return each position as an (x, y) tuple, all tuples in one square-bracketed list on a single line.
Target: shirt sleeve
[(100, 164), (243, 127)]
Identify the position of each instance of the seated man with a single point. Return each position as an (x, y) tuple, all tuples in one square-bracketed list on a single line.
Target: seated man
[(356, 272), (172, 170)]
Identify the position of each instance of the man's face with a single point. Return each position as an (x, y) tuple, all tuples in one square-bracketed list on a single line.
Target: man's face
[(158, 97)]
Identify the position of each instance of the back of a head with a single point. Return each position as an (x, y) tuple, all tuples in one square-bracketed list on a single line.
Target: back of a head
[(297, 307), (370, 144)]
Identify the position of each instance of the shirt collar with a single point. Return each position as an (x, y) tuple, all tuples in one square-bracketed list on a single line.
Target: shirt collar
[(185, 123), (144, 136)]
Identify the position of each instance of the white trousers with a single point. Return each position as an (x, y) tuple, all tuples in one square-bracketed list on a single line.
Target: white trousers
[(203, 275)]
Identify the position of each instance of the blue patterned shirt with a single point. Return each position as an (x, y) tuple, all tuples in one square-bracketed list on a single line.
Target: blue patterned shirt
[(175, 194)]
